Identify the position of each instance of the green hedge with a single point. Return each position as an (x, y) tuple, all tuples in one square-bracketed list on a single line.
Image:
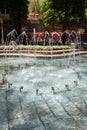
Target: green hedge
[(38, 48), (85, 45)]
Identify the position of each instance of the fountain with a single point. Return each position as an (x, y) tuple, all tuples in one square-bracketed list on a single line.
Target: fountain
[(46, 38), (72, 55), (67, 87), (53, 90), (3, 78), (37, 91), (34, 37), (11, 37), (23, 39), (43, 95)]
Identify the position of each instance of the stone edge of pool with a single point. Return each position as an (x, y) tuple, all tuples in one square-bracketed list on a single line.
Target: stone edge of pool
[(43, 54)]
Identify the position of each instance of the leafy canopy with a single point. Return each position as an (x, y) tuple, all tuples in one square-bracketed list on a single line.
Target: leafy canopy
[(49, 16), (68, 12)]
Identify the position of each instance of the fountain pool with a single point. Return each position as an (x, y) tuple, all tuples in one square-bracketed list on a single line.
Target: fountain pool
[(43, 94)]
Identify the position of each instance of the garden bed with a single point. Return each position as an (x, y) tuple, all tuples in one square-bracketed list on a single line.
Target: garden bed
[(37, 48)]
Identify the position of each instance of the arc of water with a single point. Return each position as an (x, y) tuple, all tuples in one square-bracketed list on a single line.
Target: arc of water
[(11, 36), (72, 54)]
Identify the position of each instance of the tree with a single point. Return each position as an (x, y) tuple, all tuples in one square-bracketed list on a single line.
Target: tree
[(49, 16), (34, 6), (17, 9), (70, 12)]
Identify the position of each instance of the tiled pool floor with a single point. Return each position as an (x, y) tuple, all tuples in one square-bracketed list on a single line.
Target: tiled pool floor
[(64, 110)]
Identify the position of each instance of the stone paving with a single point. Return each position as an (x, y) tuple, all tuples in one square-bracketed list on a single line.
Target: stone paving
[(64, 110)]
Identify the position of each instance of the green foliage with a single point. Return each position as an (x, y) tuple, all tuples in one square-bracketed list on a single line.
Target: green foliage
[(17, 9), (49, 16), (36, 48), (34, 6), (85, 44), (86, 12), (68, 12)]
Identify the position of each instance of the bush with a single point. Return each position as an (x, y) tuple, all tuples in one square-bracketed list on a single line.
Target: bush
[(85, 45), (37, 48)]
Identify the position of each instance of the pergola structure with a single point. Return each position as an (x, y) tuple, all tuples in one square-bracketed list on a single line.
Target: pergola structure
[(2, 18)]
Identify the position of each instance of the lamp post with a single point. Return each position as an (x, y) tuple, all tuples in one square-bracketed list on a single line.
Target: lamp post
[(2, 33), (2, 18)]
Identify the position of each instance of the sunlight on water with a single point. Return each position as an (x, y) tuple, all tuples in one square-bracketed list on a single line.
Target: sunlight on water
[(43, 94)]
